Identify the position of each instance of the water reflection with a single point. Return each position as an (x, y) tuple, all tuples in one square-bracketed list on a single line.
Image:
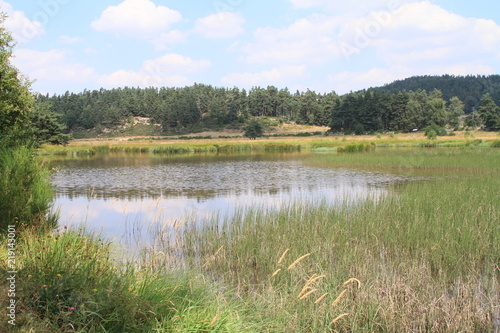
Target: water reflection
[(115, 192)]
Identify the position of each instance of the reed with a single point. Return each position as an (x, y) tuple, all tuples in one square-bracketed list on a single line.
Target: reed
[(25, 192), (422, 250)]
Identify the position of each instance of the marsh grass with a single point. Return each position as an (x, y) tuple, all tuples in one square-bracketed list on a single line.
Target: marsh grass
[(424, 257), (25, 192), (73, 282), (427, 253)]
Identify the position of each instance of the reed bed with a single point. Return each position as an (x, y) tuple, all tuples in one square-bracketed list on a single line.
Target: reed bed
[(426, 255)]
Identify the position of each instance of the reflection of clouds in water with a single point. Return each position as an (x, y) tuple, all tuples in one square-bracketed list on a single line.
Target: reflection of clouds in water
[(129, 194), (114, 217)]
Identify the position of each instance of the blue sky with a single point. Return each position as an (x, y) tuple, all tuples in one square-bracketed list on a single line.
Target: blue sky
[(322, 45)]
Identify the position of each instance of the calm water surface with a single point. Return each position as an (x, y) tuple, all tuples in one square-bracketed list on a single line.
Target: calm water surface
[(117, 193)]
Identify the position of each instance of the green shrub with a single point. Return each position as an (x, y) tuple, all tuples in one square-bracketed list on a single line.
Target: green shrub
[(431, 134), (495, 144), (436, 128)]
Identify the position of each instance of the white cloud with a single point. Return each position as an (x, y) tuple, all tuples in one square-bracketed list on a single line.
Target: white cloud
[(175, 64), (136, 18), (422, 34), (306, 41), (415, 34), (280, 75), (168, 70), (221, 25), (123, 78), (51, 65), (23, 29), (345, 82)]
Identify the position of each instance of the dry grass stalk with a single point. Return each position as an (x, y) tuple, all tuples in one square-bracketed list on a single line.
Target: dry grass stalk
[(283, 256), (298, 260), (213, 257), (338, 318), (217, 252), (276, 272), (308, 293), (351, 280), (214, 320), (320, 298), (339, 297)]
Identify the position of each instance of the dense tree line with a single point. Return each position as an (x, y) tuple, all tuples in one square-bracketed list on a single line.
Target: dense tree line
[(176, 108), (469, 89), (371, 111), (391, 108)]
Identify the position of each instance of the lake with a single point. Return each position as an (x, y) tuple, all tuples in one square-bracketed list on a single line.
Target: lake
[(126, 194)]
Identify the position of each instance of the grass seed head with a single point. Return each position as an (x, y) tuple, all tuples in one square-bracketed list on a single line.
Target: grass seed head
[(351, 280), (320, 298), (339, 297), (276, 272), (283, 256), (298, 260), (338, 318), (308, 293)]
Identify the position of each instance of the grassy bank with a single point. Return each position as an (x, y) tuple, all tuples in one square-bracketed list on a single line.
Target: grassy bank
[(426, 255), (201, 144), (75, 282)]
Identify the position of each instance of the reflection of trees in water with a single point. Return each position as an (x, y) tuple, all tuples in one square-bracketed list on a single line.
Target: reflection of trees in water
[(204, 177), (143, 194)]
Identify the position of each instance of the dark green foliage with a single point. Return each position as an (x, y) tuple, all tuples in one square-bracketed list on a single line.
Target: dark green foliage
[(473, 120), (489, 113), (431, 134), (254, 129), (15, 98), (438, 130), (46, 127), (372, 111), (469, 89), (25, 192), (178, 109)]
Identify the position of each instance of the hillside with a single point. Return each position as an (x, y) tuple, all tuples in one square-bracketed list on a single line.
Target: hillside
[(469, 89)]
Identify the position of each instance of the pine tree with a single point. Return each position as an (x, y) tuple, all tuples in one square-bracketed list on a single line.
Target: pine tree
[(254, 129), (490, 113)]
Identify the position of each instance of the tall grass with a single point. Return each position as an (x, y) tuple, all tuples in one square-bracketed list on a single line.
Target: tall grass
[(74, 282), (25, 192), (424, 257), (435, 161), (427, 254)]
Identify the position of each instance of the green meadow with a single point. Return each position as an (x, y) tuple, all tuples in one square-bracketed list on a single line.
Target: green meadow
[(424, 257)]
